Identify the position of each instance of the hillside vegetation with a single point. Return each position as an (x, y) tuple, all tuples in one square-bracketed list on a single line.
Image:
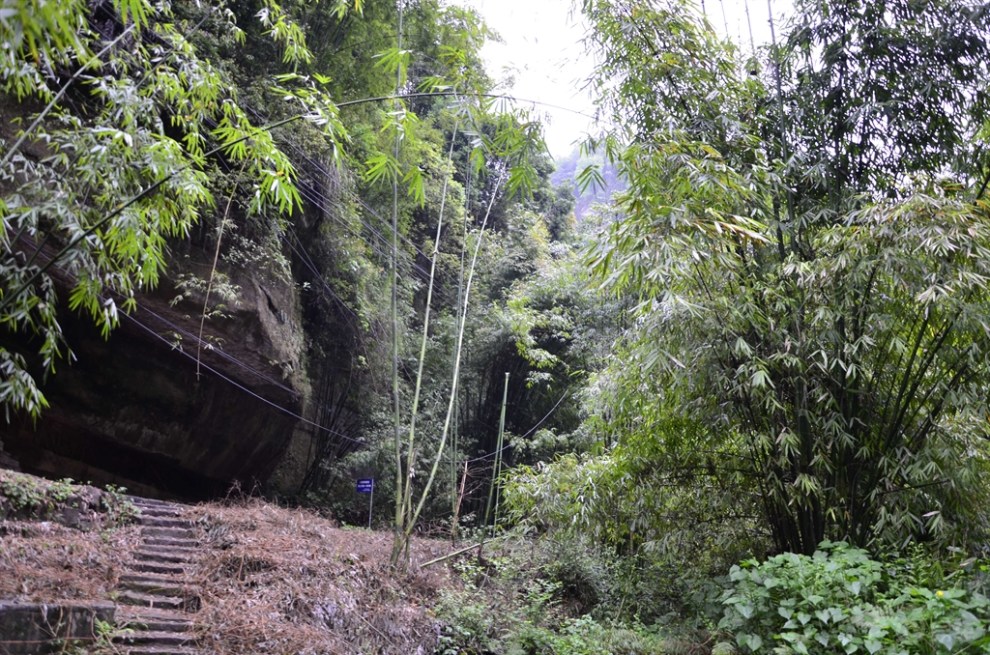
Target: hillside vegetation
[(738, 404)]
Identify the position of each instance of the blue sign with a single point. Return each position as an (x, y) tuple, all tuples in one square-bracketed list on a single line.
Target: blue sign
[(366, 485)]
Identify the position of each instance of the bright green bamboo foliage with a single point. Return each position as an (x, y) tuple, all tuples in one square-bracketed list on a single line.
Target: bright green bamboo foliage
[(103, 190), (811, 291)]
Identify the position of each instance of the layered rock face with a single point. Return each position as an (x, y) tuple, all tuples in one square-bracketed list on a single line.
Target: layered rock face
[(133, 411)]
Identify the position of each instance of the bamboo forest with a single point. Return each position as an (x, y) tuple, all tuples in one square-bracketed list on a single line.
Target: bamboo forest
[(310, 343)]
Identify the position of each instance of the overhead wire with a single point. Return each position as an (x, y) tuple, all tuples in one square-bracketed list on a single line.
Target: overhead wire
[(220, 352), (318, 198), (315, 197), (308, 263), (524, 435), (312, 195), (247, 390)]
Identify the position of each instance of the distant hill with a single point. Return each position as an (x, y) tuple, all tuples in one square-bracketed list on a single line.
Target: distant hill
[(568, 169)]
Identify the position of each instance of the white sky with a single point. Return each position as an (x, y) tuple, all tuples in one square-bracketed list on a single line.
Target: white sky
[(543, 53)]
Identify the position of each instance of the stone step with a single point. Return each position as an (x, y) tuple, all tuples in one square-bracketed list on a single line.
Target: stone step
[(152, 600), (164, 522), (132, 614), (160, 511), (157, 624), (154, 637), (141, 500), (169, 578), (168, 533), (160, 587), (165, 568), (179, 550), (163, 650), (172, 555), (170, 543)]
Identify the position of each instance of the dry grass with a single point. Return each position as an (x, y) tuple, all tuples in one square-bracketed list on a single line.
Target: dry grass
[(270, 580), (280, 580), (47, 562)]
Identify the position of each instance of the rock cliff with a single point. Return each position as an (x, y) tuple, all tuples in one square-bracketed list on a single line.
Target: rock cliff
[(132, 410)]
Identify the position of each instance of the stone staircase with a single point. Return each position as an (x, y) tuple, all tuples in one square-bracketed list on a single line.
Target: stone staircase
[(156, 600)]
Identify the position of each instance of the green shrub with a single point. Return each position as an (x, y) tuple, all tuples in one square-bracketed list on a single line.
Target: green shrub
[(469, 615), (533, 599), (583, 575), (839, 600), (119, 510), (468, 623), (20, 493), (27, 496)]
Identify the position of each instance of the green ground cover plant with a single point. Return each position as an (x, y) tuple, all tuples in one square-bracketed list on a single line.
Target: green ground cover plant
[(841, 600)]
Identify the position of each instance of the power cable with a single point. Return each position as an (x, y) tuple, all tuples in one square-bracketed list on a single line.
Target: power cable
[(423, 275), (526, 434), (318, 198), (271, 403), (224, 355), (307, 261)]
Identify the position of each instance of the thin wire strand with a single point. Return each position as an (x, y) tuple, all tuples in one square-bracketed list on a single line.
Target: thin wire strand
[(270, 403), (224, 355), (526, 434)]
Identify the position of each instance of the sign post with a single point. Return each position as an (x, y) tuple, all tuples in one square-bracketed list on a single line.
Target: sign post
[(367, 486)]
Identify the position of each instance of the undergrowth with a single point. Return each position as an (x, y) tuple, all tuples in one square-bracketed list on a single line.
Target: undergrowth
[(841, 600), (552, 597)]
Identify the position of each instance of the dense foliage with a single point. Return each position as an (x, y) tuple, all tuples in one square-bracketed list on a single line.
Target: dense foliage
[(810, 343), (141, 135), (841, 600), (125, 124), (774, 336)]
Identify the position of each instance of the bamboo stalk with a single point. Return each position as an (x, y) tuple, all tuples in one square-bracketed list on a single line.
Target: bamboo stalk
[(460, 551), (396, 418), (458, 499), (496, 465), (410, 454), (457, 362)]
